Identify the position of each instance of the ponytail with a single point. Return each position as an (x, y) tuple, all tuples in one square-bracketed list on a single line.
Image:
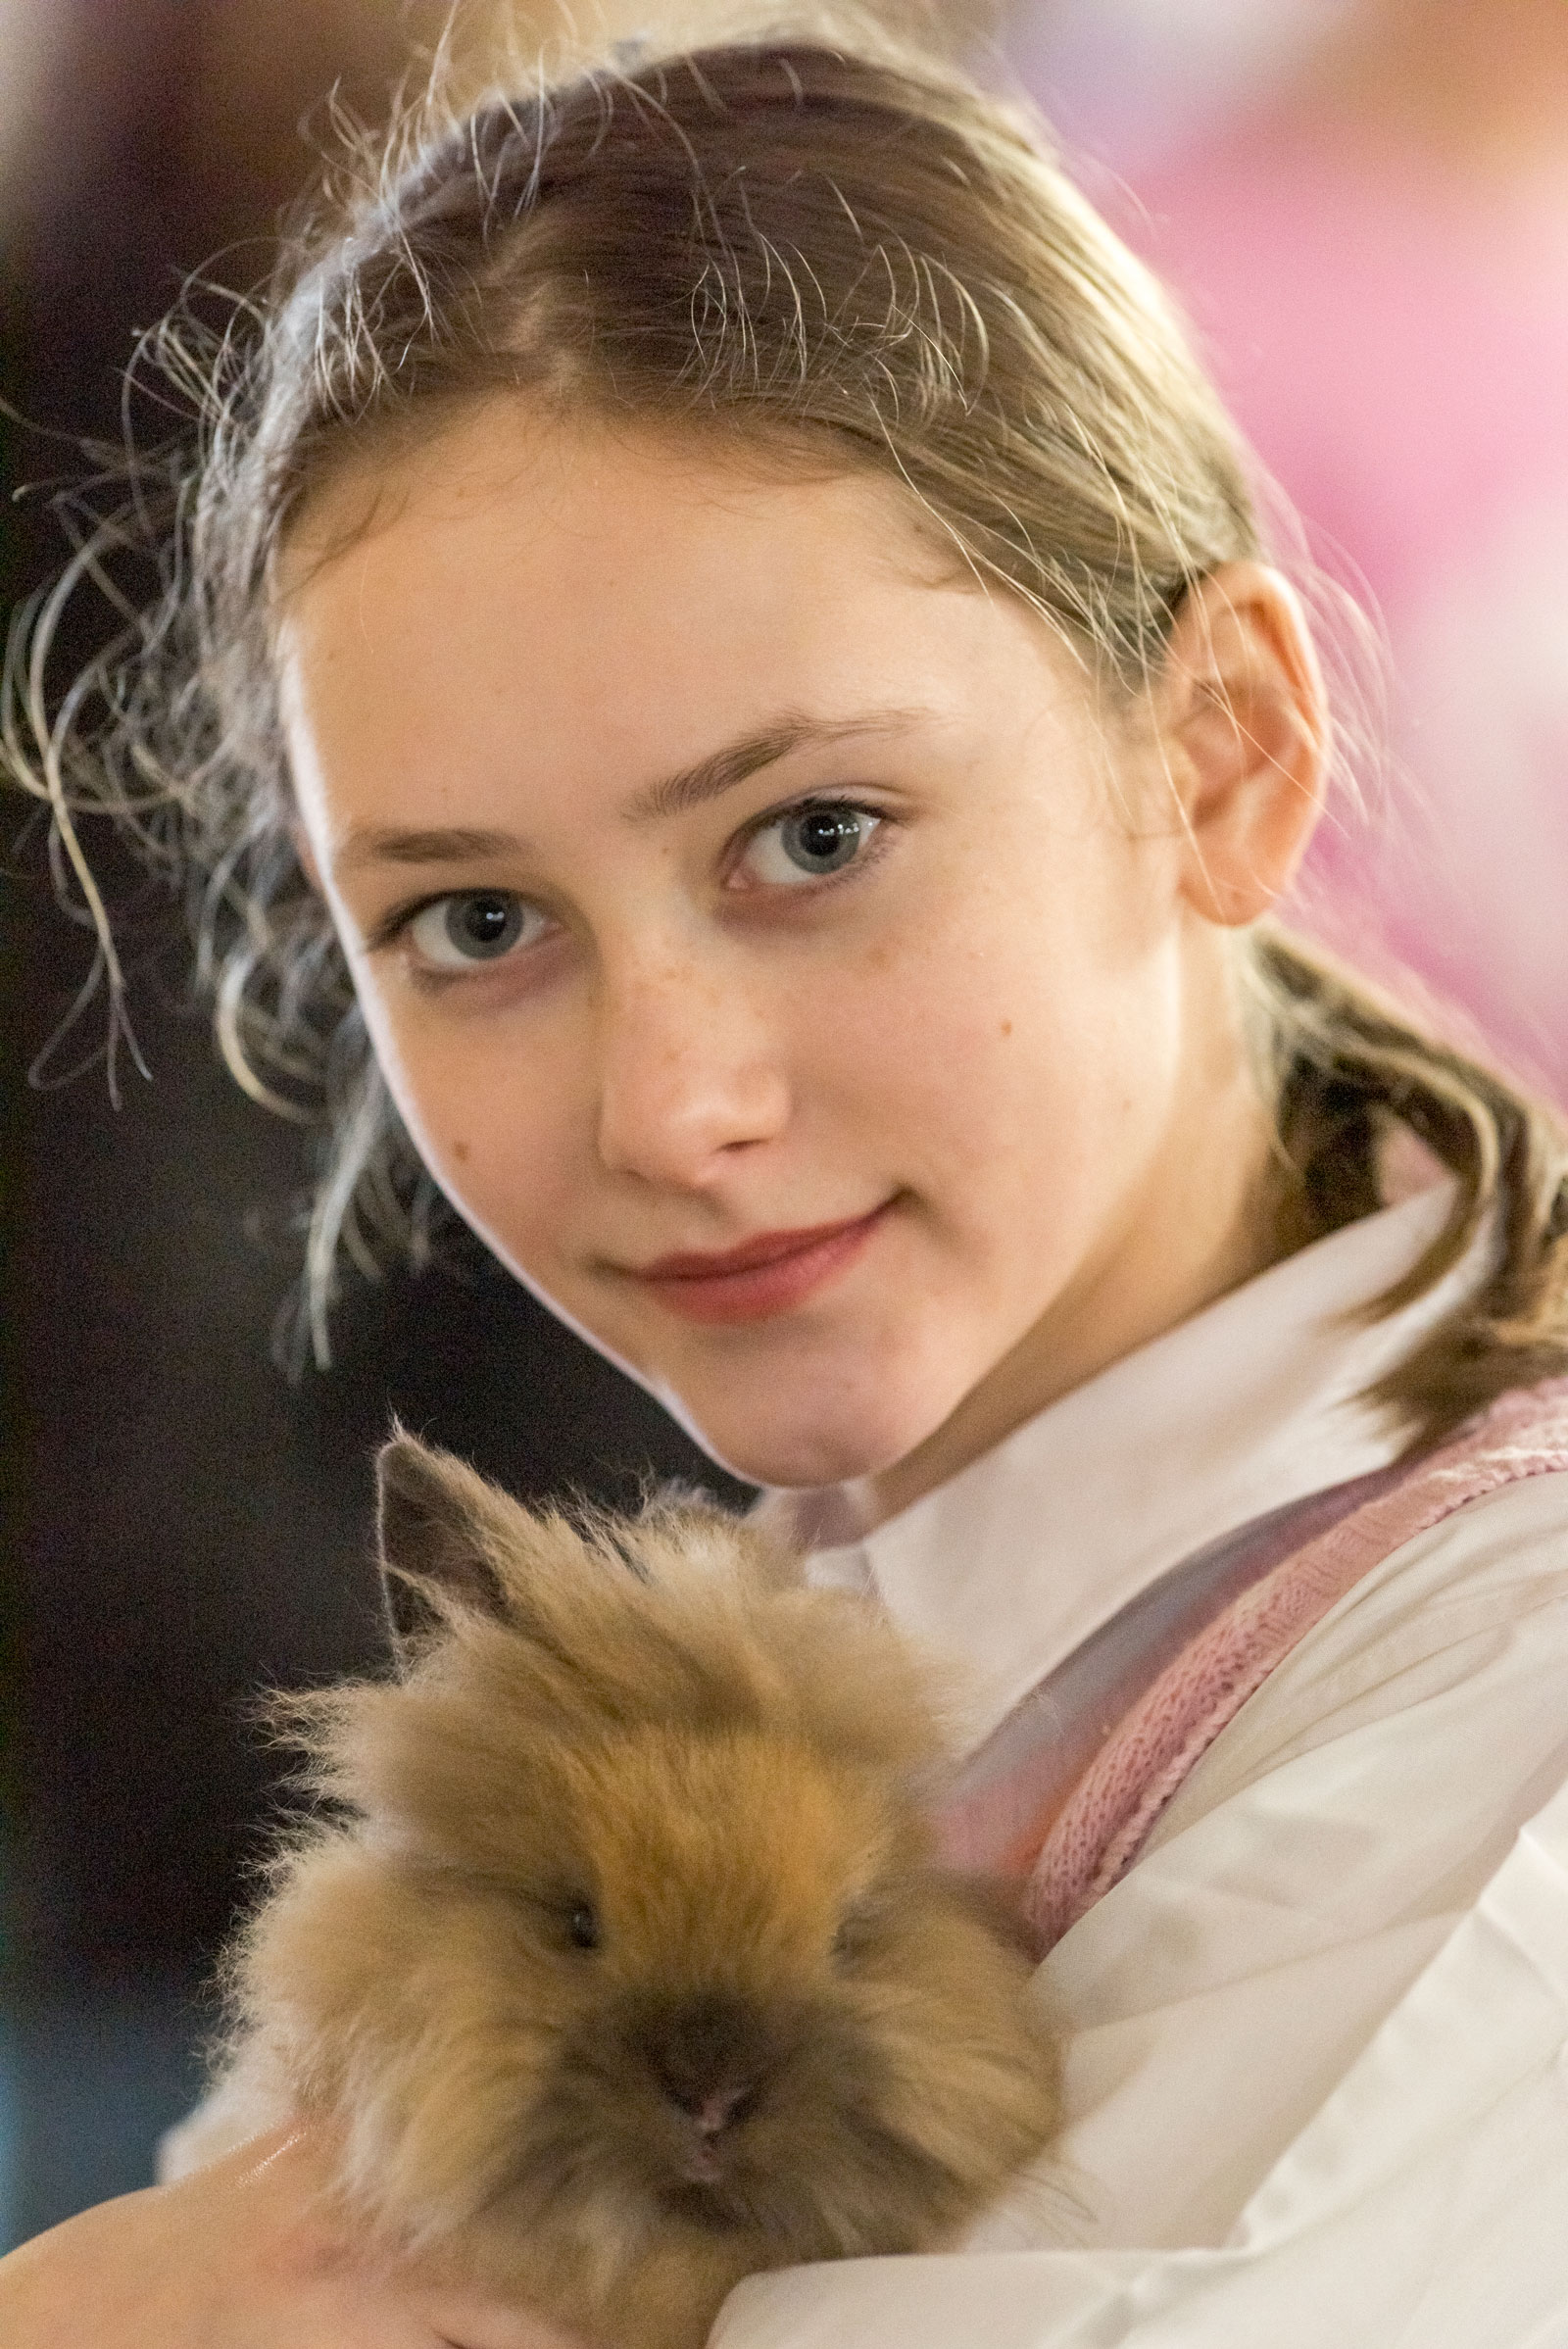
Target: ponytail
[(1345, 1065)]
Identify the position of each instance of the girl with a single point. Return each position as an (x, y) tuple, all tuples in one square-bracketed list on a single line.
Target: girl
[(717, 602)]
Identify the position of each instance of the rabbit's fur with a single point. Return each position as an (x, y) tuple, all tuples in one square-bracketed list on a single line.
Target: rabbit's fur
[(620, 1966)]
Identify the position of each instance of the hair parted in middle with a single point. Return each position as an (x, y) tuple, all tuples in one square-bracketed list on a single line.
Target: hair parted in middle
[(819, 250)]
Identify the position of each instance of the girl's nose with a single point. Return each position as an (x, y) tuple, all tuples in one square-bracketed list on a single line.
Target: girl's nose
[(688, 1075)]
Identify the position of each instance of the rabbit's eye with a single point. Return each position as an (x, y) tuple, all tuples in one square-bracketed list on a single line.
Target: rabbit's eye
[(583, 1927)]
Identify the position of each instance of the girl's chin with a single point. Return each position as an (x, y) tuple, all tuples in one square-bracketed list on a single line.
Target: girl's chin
[(796, 1458), (799, 1415)]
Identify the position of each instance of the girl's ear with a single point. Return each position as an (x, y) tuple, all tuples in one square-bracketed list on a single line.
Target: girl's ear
[(1244, 737), (439, 1528)]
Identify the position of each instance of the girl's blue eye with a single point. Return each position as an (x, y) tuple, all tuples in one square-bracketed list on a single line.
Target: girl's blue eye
[(477, 925), (809, 842)]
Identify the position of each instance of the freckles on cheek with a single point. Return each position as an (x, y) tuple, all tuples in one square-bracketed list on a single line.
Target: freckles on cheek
[(459, 1152)]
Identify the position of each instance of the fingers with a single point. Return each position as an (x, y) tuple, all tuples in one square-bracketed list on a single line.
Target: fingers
[(243, 2255), (280, 2180), (462, 2324)]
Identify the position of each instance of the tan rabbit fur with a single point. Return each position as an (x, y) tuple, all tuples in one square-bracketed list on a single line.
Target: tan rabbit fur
[(621, 1967)]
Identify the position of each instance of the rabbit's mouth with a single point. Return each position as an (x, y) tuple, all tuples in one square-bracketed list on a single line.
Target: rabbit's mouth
[(702, 2162), (702, 2201), (705, 2187)]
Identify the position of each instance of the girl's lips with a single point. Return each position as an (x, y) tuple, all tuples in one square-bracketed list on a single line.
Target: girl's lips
[(764, 1276)]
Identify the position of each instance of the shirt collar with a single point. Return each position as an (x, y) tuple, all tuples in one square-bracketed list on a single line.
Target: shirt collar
[(1254, 1402)]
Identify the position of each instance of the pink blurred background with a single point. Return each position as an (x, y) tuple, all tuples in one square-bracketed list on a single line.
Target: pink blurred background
[(1365, 207)]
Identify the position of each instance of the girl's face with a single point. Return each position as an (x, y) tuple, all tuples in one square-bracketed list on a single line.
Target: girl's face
[(773, 947)]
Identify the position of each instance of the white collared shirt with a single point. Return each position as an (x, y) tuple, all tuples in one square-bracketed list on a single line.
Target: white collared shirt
[(1255, 1402), (1316, 2041)]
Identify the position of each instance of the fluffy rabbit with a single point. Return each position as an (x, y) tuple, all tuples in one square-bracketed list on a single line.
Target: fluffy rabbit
[(620, 1965)]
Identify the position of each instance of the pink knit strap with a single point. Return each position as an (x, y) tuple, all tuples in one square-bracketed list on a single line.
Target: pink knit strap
[(1148, 1757), (994, 1818)]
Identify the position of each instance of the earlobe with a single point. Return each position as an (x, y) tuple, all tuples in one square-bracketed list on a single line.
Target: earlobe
[(1245, 729)]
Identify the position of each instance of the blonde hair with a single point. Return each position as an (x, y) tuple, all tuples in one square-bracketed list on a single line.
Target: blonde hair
[(844, 247)]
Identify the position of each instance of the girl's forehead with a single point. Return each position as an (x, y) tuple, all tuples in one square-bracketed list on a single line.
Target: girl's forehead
[(585, 571), (563, 620), (547, 485)]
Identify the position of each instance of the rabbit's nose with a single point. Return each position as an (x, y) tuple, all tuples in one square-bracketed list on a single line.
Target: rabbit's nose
[(711, 2059), (715, 2113)]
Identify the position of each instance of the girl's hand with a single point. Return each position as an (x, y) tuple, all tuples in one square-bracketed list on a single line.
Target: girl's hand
[(237, 2256)]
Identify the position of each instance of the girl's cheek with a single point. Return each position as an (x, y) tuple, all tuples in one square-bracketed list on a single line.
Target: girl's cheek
[(447, 1101), (510, 1156), (490, 1104)]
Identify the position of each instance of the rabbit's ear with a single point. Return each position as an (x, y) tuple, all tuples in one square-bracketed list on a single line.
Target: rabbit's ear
[(438, 1526)]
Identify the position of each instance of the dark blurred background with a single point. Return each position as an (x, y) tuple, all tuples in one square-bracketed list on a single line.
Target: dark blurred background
[(1365, 204)]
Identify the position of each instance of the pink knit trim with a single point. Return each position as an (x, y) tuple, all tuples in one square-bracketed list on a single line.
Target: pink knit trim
[(1109, 1814)]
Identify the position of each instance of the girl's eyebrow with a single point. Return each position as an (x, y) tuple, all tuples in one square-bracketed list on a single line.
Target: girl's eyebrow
[(382, 845), (722, 770), (691, 787)]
